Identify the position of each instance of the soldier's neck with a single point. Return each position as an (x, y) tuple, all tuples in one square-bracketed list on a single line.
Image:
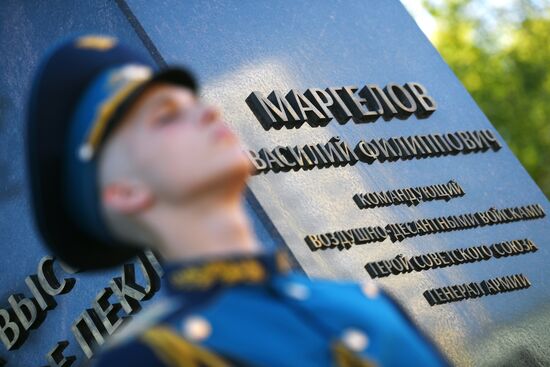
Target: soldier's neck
[(212, 227)]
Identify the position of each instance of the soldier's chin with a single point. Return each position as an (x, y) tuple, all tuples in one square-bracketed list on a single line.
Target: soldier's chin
[(236, 176), (229, 181), (238, 171)]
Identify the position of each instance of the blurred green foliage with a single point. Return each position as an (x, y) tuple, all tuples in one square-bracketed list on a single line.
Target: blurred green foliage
[(502, 56)]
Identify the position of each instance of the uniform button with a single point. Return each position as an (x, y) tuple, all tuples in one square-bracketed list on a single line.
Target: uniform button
[(196, 328), (297, 291), (355, 340), (370, 289)]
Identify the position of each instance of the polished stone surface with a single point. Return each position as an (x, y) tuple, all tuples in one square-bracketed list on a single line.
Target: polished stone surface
[(237, 48)]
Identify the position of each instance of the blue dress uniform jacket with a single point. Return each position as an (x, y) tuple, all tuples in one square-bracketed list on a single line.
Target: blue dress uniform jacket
[(255, 311)]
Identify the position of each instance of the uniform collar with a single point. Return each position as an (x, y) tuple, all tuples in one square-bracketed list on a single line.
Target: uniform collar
[(220, 272)]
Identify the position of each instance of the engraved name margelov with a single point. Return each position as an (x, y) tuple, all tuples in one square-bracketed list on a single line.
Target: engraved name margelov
[(317, 107)]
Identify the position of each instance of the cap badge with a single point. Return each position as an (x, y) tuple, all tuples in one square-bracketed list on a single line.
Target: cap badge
[(99, 43)]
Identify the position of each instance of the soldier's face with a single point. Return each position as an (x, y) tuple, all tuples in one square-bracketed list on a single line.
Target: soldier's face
[(177, 147)]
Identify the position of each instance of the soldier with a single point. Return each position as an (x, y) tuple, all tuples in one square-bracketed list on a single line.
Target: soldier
[(124, 157)]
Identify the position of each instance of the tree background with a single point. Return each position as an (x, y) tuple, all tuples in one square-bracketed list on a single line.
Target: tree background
[(500, 50)]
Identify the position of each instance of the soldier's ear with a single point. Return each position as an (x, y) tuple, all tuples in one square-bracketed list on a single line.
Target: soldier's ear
[(126, 197)]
